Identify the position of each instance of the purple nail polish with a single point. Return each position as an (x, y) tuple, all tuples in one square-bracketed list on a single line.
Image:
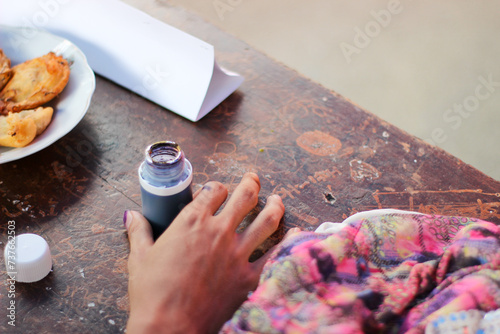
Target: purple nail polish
[(125, 214)]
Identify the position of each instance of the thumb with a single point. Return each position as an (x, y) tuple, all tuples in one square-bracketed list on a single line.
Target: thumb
[(140, 235)]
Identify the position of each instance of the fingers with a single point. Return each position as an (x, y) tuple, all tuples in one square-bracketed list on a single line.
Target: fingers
[(208, 199), (264, 225), (242, 201), (140, 234), (197, 192)]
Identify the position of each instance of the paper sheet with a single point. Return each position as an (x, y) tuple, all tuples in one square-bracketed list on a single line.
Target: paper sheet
[(129, 47)]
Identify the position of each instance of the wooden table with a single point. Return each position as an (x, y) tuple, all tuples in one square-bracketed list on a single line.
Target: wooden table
[(326, 158)]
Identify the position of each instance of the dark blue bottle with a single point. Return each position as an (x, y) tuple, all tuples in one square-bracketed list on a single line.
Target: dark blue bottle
[(165, 177)]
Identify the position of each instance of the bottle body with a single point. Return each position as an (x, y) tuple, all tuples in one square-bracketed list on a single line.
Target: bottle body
[(165, 177)]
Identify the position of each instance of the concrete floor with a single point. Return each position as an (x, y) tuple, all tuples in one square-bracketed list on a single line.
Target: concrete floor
[(430, 68)]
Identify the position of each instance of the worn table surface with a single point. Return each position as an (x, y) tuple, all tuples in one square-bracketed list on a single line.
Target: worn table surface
[(324, 156)]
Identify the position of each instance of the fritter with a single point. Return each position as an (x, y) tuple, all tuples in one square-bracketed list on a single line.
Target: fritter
[(5, 70), (19, 129), (34, 82)]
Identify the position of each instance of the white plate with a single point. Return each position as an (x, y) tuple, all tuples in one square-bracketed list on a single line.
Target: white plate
[(21, 44)]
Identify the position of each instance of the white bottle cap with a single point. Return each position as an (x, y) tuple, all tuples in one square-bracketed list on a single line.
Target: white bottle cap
[(27, 258)]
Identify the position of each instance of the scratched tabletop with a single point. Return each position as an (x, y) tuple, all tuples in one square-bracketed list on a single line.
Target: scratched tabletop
[(326, 157)]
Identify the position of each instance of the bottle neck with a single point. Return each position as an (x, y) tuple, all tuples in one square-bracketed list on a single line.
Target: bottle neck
[(164, 164)]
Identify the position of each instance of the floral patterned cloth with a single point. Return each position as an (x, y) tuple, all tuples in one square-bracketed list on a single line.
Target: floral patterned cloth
[(380, 272)]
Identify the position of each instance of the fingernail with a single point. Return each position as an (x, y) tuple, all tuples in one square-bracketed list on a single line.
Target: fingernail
[(292, 231), (274, 196), (125, 218), (206, 187)]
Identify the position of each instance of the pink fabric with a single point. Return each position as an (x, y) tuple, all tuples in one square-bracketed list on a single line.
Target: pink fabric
[(388, 273)]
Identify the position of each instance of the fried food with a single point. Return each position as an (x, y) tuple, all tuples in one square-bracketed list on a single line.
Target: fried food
[(5, 70), (34, 82), (19, 129)]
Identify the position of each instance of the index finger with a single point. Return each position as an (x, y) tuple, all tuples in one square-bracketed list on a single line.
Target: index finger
[(208, 199)]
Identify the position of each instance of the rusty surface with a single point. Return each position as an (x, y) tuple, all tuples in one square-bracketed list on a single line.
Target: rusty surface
[(324, 156)]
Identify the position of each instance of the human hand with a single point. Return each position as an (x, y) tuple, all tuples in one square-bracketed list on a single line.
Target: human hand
[(197, 274)]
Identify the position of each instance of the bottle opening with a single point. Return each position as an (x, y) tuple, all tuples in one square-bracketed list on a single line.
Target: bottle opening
[(163, 154)]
